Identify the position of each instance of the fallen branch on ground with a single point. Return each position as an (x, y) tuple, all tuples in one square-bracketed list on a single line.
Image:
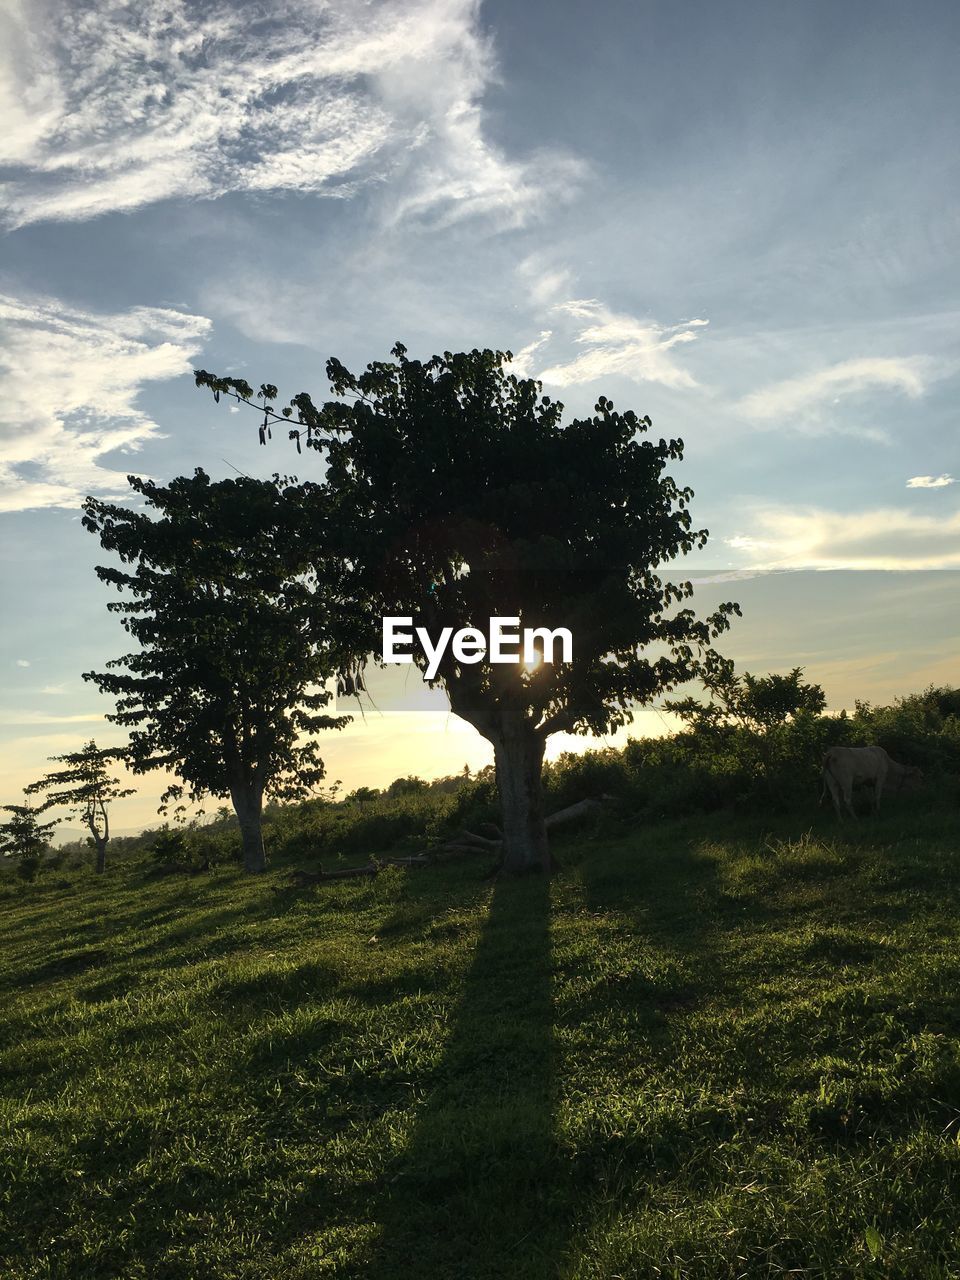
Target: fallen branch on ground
[(470, 842), (302, 879), (577, 810), (463, 842)]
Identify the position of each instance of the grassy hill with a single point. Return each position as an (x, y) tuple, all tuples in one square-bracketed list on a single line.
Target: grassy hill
[(713, 1047)]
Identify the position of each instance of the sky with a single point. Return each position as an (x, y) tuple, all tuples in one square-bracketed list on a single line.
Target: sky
[(741, 219)]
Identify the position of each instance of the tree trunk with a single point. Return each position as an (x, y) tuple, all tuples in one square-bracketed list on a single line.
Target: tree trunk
[(249, 809), (99, 843), (518, 753)]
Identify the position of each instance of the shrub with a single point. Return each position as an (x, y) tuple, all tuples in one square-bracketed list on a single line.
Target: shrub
[(27, 868), (193, 848)]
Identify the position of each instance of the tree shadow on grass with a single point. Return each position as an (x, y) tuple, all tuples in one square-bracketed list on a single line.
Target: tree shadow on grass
[(474, 1193), (478, 1190), (664, 892)]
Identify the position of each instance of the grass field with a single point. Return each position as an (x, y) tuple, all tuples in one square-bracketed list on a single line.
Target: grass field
[(709, 1049)]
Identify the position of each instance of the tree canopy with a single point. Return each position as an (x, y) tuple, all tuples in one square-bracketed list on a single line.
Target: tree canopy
[(457, 494), (234, 645)]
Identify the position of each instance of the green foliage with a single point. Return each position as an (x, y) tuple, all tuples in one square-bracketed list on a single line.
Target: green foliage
[(649, 778), (408, 786), (169, 848), (505, 511), (756, 703), (194, 847), (363, 795), (236, 635), (750, 764), (401, 819), (760, 733), (87, 787), (25, 838), (922, 729), (455, 493)]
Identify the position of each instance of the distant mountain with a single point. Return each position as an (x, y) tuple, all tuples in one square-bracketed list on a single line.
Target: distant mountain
[(66, 835)]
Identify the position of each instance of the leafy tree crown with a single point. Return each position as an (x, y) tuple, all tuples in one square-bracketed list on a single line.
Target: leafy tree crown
[(456, 493), (233, 655)]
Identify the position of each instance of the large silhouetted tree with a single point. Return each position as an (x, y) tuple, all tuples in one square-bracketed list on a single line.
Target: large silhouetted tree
[(234, 648), (85, 786), (457, 494)]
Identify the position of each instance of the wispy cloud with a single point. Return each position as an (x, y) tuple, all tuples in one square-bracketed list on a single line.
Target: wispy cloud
[(930, 482), (882, 538), (69, 382), (542, 280), (110, 106), (42, 717), (522, 364), (800, 397), (614, 343), (22, 662)]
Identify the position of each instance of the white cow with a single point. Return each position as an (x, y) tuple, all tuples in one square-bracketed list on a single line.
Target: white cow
[(845, 766)]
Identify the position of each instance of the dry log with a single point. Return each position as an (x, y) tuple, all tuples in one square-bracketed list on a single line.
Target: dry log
[(482, 842), (303, 878), (463, 842), (445, 851), (575, 811), (470, 842)]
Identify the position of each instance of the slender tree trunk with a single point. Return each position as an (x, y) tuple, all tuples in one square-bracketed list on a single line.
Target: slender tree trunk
[(100, 844), (518, 753), (249, 809)]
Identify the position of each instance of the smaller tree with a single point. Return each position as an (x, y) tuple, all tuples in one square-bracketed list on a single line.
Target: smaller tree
[(86, 787), (24, 838), (754, 703), (768, 718), (235, 632)]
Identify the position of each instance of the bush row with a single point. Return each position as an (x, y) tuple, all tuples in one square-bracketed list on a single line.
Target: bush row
[(718, 765)]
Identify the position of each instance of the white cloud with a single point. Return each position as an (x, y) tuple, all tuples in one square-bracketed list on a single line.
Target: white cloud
[(882, 538), (801, 397), (930, 482), (69, 382), (543, 281), (620, 344), (41, 717), (22, 662), (522, 362), (110, 106), (725, 575)]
